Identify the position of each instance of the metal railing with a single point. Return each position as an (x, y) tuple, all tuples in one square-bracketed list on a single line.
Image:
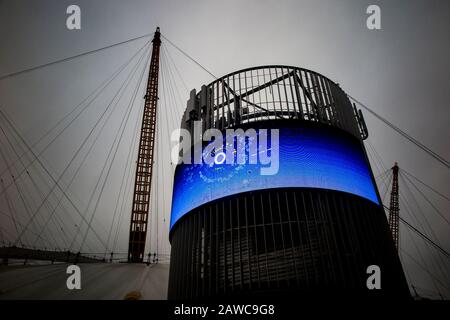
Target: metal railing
[(272, 93)]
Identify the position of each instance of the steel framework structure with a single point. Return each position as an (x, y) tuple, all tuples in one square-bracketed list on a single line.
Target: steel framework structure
[(394, 208), (143, 179), (273, 92), (281, 241)]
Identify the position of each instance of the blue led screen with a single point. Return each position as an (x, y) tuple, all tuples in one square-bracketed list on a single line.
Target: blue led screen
[(308, 157)]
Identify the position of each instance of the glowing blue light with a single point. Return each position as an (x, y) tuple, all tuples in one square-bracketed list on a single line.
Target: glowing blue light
[(216, 158), (308, 157)]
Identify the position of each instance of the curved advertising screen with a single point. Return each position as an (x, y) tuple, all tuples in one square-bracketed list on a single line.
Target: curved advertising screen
[(305, 157)]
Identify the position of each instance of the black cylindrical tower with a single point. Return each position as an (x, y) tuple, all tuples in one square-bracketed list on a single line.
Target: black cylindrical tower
[(312, 223)]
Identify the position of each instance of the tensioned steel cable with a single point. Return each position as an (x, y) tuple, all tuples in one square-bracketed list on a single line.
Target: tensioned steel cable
[(12, 146), (9, 75), (171, 86), (118, 94), (67, 59), (129, 184), (189, 57), (63, 222), (121, 130), (20, 224), (124, 176), (426, 185), (159, 155), (387, 182), (175, 117), (166, 103), (428, 264), (374, 150), (82, 162), (121, 91), (36, 157), (45, 169), (388, 123), (382, 177), (425, 269), (122, 183), (439, 264), (426, 292), (3, 238), (125, 124), (56, 182), (395, 128), (438, 260), (10, 209), (377, 156), (435, 261), (19, 191), (175, 66), (128, 188), (413, 200), (428, 201), (416, 142), (95, 93), (421, 234)]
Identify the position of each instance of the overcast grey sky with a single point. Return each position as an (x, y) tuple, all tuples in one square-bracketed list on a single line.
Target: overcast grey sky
[(402, 72)]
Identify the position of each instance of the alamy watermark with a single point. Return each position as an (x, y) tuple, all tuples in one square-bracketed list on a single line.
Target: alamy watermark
[(374, 279), (373, 21), (73, 21), (252, 146), (73, 282)]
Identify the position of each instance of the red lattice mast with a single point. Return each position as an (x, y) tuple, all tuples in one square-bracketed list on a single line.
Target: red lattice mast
[(143, 180), (394, 208)]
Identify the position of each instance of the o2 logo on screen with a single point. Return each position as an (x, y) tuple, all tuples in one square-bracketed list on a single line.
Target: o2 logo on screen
[(236, 148), (218, 170)]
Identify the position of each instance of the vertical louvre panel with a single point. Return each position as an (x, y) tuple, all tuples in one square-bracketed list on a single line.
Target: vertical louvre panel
[(284, 240)]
